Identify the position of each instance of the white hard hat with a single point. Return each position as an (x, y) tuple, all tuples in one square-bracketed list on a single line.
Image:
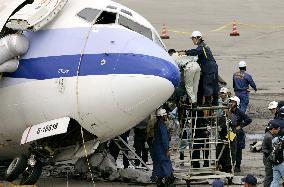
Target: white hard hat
[(242, 64), (196, 34), (235, 98), (161, 112), (224, 90), (272, 105)]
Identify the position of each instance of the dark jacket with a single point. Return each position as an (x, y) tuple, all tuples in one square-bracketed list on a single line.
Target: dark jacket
[(206, 60), (239, 118), (267, 143)]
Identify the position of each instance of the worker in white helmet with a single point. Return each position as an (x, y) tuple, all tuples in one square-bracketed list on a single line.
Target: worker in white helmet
[(239, 120), (208, 86), (223, 100), (241, 83), (273, 107), (162, 166)]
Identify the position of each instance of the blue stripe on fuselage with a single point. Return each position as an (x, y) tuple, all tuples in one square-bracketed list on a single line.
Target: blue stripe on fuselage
[(95, 64)]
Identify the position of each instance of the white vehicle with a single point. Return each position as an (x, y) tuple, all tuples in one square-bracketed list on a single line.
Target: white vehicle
[(67, 65)]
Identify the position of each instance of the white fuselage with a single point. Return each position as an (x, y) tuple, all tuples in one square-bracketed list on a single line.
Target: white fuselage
[(105, 76)]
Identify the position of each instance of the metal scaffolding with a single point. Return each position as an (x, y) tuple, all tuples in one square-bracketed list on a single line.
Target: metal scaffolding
[(197, 139)]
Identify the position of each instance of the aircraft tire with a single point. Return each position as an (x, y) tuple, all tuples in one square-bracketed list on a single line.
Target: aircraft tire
[(31, 175), (16, 167)]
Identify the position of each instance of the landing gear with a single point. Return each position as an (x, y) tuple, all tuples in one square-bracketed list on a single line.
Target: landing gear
[(30, 168), (16, 167), (31, 174)]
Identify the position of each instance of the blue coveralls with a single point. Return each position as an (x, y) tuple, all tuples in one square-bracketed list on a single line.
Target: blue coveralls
[(208, 84), (161, 162), (239, 118), (241, 82), (140, 140)]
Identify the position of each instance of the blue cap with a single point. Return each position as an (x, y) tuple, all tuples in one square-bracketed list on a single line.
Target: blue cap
[(250, 179), (281, 111), (273, 124), (218, 183)]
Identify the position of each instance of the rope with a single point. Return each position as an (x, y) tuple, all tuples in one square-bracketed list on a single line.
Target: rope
[(87, 159), (77, 98)]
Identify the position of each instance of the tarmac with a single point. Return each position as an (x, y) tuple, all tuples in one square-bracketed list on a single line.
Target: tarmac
[(260, 44)]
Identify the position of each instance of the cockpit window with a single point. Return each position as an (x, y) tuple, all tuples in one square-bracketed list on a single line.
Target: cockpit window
[(111, 7), (88, 14), (135, 26), (106, 18), (126, 12), (158, 41)]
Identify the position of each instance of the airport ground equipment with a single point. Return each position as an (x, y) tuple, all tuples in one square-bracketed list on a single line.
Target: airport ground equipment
[(184, 168), (125, 148)]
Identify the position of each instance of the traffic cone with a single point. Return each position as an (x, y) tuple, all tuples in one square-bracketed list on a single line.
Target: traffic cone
[(164, 33), (234, 30)]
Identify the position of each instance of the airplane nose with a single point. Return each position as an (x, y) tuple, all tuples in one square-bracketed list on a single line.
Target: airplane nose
[(170, 71)]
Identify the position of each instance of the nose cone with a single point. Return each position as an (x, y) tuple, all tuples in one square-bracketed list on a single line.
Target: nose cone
[(170, 71)]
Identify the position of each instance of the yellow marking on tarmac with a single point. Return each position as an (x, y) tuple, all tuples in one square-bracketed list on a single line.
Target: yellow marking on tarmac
[(221, 28), (239, 24), (261, 26), (180, 32)]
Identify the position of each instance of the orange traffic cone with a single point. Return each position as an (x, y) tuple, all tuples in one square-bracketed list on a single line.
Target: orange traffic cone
[(234, 30), (164, 33)]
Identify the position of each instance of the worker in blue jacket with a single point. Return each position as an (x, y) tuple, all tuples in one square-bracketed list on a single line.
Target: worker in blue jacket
[(161, 155), (238, 120), (241, 82), (208, 84)]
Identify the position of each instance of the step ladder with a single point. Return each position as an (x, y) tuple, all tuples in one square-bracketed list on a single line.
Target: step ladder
[(127, 148)]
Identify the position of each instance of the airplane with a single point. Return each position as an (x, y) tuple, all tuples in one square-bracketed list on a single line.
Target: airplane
[(74, 73)]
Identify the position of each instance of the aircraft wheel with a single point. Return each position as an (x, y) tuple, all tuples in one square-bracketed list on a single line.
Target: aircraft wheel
[(16, 167), (31, 174)]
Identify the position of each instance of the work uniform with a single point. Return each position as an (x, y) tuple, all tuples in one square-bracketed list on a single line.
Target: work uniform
[(161, 161), (239, 118), (191, 72), (114, 149), (140, 140), (280, 121), (209, 72), (229, 153), (267, 149), (278, 170), (241, 82), (221, 102)]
